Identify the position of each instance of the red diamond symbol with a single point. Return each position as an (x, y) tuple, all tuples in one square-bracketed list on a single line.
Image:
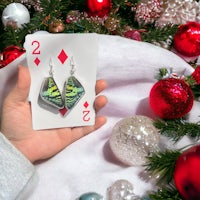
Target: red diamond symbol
[(86, 104), (63, 111), (62, 56), (37, 61)]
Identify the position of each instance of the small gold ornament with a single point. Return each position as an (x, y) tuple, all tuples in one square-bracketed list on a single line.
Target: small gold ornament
[(111, 24), (56, 26)]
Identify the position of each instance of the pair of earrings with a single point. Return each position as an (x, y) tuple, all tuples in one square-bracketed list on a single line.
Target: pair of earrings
[(72, 91)]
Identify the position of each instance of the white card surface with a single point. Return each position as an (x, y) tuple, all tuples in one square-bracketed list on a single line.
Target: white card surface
[(59, 52)]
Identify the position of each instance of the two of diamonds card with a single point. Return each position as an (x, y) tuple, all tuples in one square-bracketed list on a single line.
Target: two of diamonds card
[(63, 78)]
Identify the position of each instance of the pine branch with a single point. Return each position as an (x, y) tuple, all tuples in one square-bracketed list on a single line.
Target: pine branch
[(73, 5), (11, 37), (4, 3), (51, 8), (162, 73), (162, 164), (58, 9), (85, 25), (125, 11), (166, 193), (159, 34), (196, 90), (176, 129)]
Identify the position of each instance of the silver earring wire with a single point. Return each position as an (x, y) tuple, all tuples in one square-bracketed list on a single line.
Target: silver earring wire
[(73, 66), (51, 67)]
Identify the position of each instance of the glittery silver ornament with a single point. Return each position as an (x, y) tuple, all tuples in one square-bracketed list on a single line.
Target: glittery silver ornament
[(179, 12), (122, 190), (133, 139), (15, 13)]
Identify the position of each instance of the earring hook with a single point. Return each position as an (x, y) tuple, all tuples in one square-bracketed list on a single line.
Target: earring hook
[(72, 65), (51, 67)]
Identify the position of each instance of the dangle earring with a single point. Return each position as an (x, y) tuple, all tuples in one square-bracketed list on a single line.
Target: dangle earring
[(49, 92), (73, 90)]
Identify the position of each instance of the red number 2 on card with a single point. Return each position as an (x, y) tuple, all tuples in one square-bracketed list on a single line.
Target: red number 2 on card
[(37, 46), (86, 117)]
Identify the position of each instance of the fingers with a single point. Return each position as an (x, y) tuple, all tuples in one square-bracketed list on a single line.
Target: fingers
[(100, 102), (100, 86), (99, 122), (79, 132), (21, 90)]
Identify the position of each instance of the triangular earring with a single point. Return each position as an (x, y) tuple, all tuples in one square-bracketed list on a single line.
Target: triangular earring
[(49, 92), (73, 90)]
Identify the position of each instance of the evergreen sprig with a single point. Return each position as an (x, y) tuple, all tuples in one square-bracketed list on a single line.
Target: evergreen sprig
[(122, 10), (159, 34), (125, 11), (196, 90), (162, 164), (85, 25), (166, 193), (11, 37), (162, 73), (176, 129), (51, 8), (73, 5)]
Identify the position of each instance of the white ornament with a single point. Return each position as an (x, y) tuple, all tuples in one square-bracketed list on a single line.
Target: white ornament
[(15, 13), (179, 12), (133, 139), (122, 190)]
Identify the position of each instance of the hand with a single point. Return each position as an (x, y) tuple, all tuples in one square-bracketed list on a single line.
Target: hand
[(16, 123)]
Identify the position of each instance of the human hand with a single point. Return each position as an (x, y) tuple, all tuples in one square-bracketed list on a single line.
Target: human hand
[(16, 123)]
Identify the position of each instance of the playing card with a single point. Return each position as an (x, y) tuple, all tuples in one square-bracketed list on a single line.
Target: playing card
[(63, 78)]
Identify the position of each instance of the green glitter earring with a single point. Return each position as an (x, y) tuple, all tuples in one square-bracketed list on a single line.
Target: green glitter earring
[(49, 92), (73, 90)]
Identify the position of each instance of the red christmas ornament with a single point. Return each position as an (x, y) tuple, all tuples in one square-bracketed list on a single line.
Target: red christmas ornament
[(133, 34), (196, 75), (186, 174), (171, 98), (187, 39), (99, 8), (9, 54)]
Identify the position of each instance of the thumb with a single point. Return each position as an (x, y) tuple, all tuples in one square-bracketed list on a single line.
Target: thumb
[(21, 89)]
